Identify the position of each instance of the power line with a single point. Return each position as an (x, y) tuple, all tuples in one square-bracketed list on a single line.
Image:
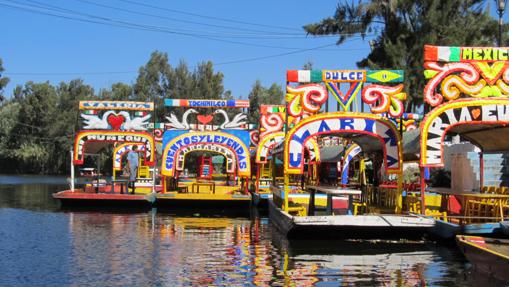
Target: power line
[(272, 56), (207, 16), (187, 21), (187, 32), (130, 25)]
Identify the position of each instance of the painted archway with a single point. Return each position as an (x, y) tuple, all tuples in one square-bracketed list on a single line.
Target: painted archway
[(460, 112), (274, 139), (84, 138), (340, 122), (219, 139), (231, 160), (350, 154), (120, 150)]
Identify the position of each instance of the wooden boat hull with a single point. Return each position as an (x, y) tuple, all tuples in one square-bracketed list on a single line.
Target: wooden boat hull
[(487, 255), (203, 201), (445, 230), (350, 226), (84, 199), (448, 230)]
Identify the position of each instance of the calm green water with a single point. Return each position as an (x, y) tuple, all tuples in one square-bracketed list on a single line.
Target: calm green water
[(40, 245)]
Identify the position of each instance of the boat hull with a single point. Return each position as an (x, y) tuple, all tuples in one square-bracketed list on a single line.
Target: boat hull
[(448, 230), (484, 257), (238, 204), (84, 199), (349, 226)]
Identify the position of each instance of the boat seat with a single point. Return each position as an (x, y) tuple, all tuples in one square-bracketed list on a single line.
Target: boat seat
[(359, 208), (143, 171)]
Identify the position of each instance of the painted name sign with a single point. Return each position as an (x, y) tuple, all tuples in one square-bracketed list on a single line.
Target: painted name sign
[(115, 137), (228, 154), (216, 138), (379, 128), (485, 54), (207, 103), (465, 54), (116, 105), (446, 117), (344, 76)]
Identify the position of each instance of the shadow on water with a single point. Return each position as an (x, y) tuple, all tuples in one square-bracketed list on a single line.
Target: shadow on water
[(41, 245)]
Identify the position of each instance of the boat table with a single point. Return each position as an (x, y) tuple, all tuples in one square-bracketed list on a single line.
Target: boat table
[(122, 182), (466, 195), (330, 191), (210, 184)]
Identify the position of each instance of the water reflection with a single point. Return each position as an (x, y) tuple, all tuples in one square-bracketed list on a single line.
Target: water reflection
[(54, 248), (30, 192)]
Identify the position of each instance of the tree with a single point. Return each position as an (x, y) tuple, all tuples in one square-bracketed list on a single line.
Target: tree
[(260, 95), (405, 27), (3, 82), (118, 92), (153, 82), (207, 83)]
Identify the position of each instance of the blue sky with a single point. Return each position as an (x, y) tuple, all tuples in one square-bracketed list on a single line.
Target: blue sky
[(41, 47)]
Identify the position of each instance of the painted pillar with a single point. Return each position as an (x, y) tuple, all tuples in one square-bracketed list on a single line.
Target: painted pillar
[(481, 170), (423, 191), (72, 170), (399, 194), (287, 191), (257, 182)]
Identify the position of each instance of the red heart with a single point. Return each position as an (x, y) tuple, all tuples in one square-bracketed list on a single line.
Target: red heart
[(115, 121), (205, 119)]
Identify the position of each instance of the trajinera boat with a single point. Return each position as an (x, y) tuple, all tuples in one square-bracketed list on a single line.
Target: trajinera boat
[(374, 202), (118, 125)]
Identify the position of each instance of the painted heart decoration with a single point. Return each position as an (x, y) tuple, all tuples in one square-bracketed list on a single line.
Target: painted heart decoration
[(476, 113), (205, 119), (115, 121)]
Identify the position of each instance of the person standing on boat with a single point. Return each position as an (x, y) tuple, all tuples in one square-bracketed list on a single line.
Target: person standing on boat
[(132, 162)]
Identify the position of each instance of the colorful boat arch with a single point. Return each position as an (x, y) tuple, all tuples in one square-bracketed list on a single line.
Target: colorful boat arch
[(216, 138), (84, 138), (120, 150), (266, 144), (231, 161), (340, 122), (352, 151), (440, 120), (274, 139)]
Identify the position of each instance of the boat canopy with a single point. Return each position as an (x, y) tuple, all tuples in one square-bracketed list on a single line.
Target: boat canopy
[(331, 153)]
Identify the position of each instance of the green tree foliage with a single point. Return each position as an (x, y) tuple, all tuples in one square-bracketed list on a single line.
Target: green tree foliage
[(118, 92), (405, 26), (3, 82), (260, 95)]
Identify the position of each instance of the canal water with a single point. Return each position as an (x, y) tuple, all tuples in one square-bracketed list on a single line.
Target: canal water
[(42, 245)]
